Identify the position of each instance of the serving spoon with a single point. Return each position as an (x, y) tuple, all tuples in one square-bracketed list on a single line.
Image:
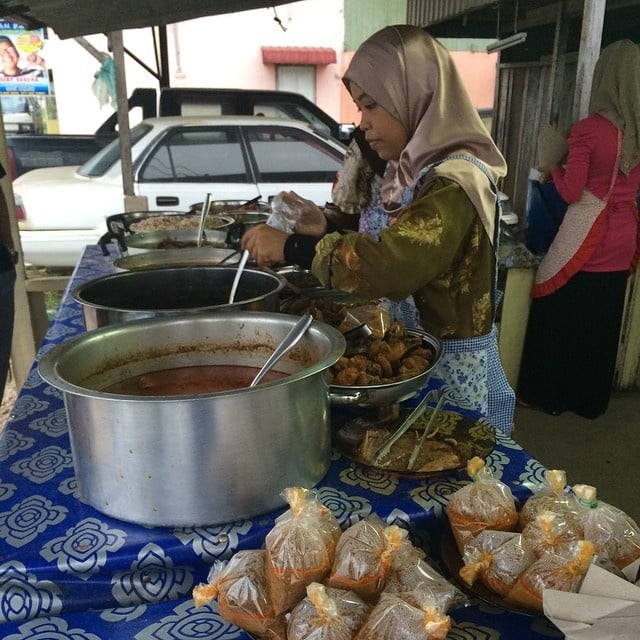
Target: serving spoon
[(206, 205), (236, 280), (288, 342)]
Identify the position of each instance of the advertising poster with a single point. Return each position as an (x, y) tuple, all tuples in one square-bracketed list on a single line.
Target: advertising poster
[(23, 66)]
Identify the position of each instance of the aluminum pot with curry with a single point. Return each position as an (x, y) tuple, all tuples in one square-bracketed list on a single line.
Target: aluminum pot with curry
[(164, 430)]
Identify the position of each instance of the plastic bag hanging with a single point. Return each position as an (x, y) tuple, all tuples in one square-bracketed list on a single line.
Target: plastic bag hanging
[(104, 83)]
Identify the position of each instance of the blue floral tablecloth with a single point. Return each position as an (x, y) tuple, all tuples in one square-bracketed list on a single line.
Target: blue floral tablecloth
[(69, 571)]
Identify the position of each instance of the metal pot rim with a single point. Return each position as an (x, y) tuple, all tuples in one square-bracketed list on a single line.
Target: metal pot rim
[(49, 364), (175, 258), (377, 394), (79, 292)]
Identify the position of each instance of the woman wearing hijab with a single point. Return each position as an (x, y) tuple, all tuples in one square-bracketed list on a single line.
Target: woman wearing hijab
[(578, 297), (439, 194)]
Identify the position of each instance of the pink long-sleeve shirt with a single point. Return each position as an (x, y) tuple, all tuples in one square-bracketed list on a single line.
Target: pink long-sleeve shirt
[(590, 163)]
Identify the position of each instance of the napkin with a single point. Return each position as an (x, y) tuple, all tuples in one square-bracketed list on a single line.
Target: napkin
[(605, 608)]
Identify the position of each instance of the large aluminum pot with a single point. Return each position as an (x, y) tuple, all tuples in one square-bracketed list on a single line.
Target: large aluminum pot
[(198, 459), (144, 293)]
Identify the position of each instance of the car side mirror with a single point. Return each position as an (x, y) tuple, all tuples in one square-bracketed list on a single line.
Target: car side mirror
[(344, 131)]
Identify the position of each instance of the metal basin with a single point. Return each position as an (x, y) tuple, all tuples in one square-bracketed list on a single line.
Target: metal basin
[(195, 460), (144, 293), (197, 257), (380, 395), (168, 230), (175, 239)]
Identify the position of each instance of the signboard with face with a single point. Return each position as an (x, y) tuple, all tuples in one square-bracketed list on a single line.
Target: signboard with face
[(22, 62)]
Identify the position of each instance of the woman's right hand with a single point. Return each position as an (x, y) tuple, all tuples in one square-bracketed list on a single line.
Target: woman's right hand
[(264, 244)]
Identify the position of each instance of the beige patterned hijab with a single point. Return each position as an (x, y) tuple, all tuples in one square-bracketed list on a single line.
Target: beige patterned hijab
[(413, 77), (615, 95)]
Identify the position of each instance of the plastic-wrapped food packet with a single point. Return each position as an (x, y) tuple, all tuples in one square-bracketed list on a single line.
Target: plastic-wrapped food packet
[(549, 530), (497, 559), (552, 495), (283, 216), (327, 614), (611, 530), (403, 616), (240, 588), (291, 212), (485, 503), (364, 556), (562, 570), (300, 548), (411, 571)]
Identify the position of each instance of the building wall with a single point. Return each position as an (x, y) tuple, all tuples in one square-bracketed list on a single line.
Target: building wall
[(217, 51), (225, 51), (364, 17)]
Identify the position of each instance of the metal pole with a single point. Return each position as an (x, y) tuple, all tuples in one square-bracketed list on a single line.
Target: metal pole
[(590, 42), (131, 201), (122, 108)]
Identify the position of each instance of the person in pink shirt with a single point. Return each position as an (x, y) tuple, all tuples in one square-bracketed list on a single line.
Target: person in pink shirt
[(578, 296)]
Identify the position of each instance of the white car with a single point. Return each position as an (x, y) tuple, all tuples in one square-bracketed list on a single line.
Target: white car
[(176, 162)]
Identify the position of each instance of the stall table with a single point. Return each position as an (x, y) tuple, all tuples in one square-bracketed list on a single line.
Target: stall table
[(69, 571)]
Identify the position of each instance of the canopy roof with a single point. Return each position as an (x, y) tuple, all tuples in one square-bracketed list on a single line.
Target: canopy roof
[(73, 18)]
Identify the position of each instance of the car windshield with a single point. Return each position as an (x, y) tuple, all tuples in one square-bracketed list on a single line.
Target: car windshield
[(107, 157)]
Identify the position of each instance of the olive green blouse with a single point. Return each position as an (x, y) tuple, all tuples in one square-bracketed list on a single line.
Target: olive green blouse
[(436, 249)]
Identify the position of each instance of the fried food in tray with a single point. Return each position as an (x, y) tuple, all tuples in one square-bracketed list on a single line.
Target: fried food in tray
[(340, 309), (389, 354), (372, 360), (454, 440)]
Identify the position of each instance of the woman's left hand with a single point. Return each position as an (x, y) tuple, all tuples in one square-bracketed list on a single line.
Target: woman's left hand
[(545, 173), (265, 244)]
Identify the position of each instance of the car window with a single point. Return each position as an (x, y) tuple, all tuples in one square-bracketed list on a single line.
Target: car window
[(196, 154), (283, 154), (107, 157)]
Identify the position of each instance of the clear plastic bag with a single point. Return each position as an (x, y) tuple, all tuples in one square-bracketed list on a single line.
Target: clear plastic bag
[(611, 530), (497, 559), (293, 213), (562, 570), (549, 530), (364, 556), (406, 617), (411, 572), (239, 586), (327, 614), (552, 495), (300, 548), (485, 503)]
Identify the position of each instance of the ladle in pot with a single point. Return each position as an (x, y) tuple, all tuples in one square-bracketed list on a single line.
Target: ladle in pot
[(236, 280), (203, 216), (288, 342)]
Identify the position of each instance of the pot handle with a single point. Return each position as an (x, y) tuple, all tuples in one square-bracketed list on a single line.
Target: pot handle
[(348, 399)]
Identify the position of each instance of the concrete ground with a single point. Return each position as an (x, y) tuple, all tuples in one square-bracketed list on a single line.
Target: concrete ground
[(604, 452)]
